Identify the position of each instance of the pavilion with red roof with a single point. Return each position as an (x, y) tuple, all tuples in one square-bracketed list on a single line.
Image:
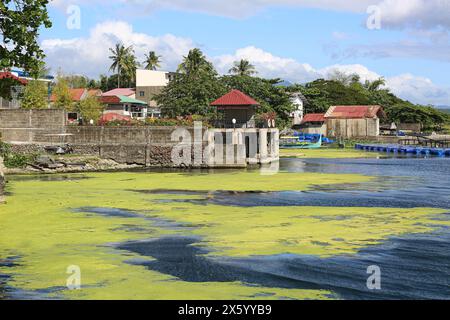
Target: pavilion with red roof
[(237, 110)]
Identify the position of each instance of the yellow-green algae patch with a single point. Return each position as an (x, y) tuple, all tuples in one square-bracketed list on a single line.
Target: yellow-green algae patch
[(40, 226), (325, 153)]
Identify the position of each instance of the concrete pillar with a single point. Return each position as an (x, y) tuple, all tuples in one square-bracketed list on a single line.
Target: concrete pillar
[(263, 149)]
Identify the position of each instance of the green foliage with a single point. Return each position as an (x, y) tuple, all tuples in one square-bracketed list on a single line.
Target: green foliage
[(35, 96), (63, 97), (195, 65), (124, 62), (243, 68), (90, 109), (14, 160), (348, 90), (152, 61), (193, 90), (20, 21)]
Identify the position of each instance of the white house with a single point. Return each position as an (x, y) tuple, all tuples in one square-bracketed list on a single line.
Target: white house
[(150, 83)]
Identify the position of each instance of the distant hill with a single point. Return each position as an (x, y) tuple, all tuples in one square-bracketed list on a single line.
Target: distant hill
[(446, 110)]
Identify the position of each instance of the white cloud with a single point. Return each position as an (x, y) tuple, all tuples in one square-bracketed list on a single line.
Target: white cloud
[(268, 65), (419, 89), (422, 14), (89, 56)]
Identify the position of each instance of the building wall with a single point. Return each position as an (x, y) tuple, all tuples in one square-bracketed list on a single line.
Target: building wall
[(349, 128), (149, 94), (315, 129), (150, 78), (31, 125)]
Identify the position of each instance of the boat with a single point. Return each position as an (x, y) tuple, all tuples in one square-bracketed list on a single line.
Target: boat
[(291, 142)]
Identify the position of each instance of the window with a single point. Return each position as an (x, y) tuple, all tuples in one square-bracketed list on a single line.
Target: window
[(141, 93)]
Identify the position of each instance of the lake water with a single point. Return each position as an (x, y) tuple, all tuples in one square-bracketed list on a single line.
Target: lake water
[(413, 265)]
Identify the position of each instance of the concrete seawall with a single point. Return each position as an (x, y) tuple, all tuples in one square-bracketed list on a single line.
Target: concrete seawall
[(29, 131)]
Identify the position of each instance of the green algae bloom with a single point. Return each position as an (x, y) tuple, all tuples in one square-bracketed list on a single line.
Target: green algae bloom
[(50, 225)]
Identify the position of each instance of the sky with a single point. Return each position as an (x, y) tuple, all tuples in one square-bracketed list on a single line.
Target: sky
[(405, 41)]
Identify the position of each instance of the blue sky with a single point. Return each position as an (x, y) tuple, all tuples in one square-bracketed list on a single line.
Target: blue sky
[(298, 40)]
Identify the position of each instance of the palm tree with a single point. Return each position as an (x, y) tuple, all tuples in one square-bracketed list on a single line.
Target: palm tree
[(130, 66), (152, 61), (119, 56), (243, 68), (374, 85), (194, 63)]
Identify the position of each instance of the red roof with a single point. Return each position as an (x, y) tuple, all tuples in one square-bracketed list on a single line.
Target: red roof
[(314, 117), (235, 98), (77, 94), (353, 112), (111, 116), (9, 75)]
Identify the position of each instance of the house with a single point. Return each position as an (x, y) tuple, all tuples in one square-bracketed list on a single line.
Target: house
[(313, 123), (354, 121), (236, 110), (127, 92), (150, 83), (299, 101), (17, 87), (125, 106), (77, 95)]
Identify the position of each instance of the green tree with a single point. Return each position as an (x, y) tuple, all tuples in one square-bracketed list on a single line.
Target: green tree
[(20, 21), (195, 64), (35, 96), (63, 97), (120, 56), (193, 90), (152, 61), (243, 68), (131, 64), (90, 109)]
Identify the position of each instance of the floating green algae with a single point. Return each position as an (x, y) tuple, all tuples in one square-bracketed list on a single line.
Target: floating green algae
[(43, 226), (324, 153)]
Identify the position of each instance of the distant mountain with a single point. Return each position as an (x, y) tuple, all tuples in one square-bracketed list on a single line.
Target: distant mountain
[(284, 83), (446, 110)]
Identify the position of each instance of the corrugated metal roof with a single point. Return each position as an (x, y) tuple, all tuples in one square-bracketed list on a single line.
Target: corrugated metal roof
[(314, 117), (235, 98), (76, 94), (125, 99), (353, 112)]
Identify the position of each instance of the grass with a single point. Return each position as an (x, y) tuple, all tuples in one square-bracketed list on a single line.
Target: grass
[(326, 153)]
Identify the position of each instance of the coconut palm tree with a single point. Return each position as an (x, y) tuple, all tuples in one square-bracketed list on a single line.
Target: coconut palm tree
[(194, 63), (152, 61), (374, 85), (130, 66), (243, 68), (119, 56)]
